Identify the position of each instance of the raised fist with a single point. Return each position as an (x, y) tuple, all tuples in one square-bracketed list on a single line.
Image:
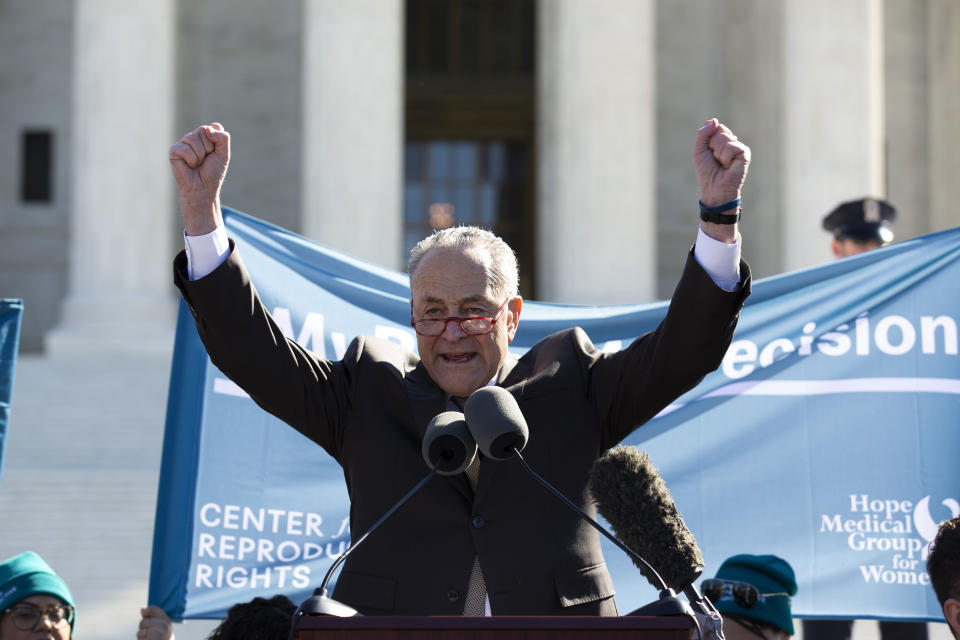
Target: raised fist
[(721, 162), (199, 163)]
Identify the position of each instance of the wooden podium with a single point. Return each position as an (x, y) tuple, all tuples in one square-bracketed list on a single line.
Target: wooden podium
[(494, 628)]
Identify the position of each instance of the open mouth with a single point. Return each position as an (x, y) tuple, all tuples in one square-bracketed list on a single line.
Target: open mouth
[(458, 357)]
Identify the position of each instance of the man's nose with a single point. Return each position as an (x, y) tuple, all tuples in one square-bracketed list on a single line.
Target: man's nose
[(452, 330)]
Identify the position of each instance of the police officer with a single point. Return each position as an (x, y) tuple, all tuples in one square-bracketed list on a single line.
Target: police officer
[(860, 225)]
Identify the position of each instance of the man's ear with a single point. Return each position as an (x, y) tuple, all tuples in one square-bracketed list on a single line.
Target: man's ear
[(513, 319), (836, 247), (951, 611)]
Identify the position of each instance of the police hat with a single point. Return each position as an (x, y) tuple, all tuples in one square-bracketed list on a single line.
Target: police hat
[(864, 219)]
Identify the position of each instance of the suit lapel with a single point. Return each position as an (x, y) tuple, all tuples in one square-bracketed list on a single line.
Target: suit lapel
[(426, 401), (426, 398)]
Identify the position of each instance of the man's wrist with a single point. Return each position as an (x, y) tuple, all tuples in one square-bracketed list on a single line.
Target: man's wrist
[(720, 221), (728, 233), (201, 220)]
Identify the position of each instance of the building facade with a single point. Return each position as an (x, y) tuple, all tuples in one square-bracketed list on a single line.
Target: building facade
[(565, 125)]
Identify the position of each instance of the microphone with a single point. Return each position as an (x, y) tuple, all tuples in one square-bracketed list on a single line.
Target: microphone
[(448, 448), (632, 496), (497, 424), (447, 444)]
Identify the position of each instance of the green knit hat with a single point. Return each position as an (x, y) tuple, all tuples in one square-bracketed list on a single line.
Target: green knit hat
[(769, 574), (26, 575)]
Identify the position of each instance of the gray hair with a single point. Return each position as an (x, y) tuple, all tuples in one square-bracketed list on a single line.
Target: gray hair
[(504, 273)]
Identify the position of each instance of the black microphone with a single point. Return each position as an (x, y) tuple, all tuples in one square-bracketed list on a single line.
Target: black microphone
[(632, 496), (448, 448), (447, 444), (497, 424)]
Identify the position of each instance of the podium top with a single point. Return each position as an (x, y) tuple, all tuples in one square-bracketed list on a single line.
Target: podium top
[(499, 627)]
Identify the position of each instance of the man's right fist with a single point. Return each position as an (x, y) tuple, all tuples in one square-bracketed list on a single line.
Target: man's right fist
[(199, 163)]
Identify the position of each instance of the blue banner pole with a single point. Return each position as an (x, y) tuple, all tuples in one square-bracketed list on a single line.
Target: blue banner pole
[(11, 313)]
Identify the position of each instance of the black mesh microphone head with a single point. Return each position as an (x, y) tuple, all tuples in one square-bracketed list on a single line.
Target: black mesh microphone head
[(496, 422), (448, 441), (634, 499)]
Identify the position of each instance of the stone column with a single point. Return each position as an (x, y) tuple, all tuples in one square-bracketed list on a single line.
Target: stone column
[(944, 77), (907, 114), (596, 218), (753, 101), (353, 127), (833, 117), (119, 295)]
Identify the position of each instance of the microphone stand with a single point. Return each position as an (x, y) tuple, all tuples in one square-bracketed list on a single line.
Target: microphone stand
[(320, 604), (668, 603), (704, 611)]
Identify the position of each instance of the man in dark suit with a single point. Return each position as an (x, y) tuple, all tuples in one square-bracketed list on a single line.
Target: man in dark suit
[(488, 540)]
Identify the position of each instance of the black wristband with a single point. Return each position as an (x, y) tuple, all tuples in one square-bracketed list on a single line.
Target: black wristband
[(716, 214)]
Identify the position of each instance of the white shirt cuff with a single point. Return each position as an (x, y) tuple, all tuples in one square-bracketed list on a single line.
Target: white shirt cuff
[(720, 260), (206, 253)]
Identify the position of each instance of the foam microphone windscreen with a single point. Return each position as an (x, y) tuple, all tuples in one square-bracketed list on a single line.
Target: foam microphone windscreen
[(448, 441), (634, 499), (496, 422)]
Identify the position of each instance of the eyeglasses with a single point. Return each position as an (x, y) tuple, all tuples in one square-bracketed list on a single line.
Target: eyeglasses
[(744, 594), (26, 617), (472, 326)]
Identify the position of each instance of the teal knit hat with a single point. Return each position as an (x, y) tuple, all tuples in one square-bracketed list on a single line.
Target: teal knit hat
[(26, 575), (769, 574)]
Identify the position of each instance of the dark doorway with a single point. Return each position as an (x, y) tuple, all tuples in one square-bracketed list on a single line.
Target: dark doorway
[(469, 121)]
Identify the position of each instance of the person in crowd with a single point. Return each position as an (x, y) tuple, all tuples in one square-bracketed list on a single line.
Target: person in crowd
[(370, 409), (259, 619), (36, 604), (752, 593), (860, 225), (943, 567)]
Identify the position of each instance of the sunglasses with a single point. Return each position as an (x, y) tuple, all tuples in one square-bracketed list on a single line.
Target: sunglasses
[(743, 593), (26, 616)]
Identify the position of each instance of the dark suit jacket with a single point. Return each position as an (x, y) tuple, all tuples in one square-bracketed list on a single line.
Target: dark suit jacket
[(369, 411)]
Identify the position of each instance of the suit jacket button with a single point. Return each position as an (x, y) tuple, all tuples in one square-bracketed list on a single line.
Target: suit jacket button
[(453, 595), (478, 522)]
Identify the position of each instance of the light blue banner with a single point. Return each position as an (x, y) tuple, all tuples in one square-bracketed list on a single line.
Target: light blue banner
[(11, 312), (828, 436)]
